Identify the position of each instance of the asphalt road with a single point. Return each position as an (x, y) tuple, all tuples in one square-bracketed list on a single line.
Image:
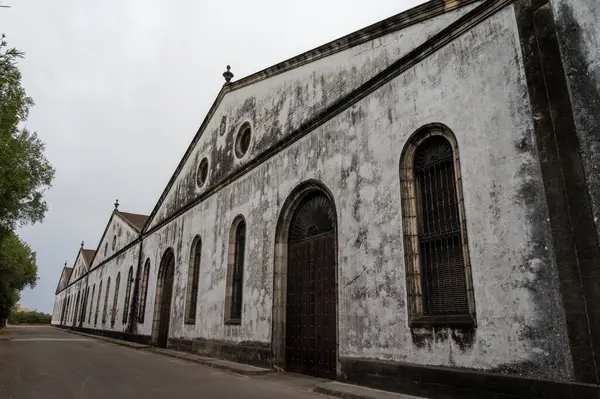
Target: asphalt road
[(45, 363)]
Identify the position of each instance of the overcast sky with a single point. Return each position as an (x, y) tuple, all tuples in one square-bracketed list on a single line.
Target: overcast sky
[(121, 88)]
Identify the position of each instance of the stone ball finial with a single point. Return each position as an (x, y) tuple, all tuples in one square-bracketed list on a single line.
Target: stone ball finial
[(65, 263), (81, 244), (228, 74), (116, 204)]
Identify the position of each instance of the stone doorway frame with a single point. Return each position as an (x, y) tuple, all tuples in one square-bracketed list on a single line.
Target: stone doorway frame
[(164, 260), (278, 332)]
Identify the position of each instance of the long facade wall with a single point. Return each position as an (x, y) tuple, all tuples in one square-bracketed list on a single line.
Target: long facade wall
[(94, 309), (475, 86), (521, 325)]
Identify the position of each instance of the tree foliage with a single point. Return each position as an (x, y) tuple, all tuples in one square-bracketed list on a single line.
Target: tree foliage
[(18, 270), (29, 318), (25, 175)]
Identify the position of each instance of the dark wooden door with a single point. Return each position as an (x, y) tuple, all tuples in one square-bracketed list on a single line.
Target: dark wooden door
[(311, 342), (165, 306)]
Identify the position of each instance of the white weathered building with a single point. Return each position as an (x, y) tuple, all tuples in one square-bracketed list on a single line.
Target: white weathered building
[(412, 202)]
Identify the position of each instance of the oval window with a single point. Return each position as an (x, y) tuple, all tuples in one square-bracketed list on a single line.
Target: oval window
[(202, 174), (242, 141), (114, 243)]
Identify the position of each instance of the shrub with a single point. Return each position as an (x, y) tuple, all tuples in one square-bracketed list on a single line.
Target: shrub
[(29, 318)]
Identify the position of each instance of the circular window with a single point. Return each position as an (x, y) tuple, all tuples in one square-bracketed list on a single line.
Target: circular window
[(114, 244), (202, 174), (242, 141)]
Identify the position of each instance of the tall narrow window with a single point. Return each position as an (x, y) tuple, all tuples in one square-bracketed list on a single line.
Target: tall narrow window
[(193, 281), (127, 295), (144, 292), (235, 272), (438, 270), (92, 304), (98, 304), (113, 316), (104, 309)]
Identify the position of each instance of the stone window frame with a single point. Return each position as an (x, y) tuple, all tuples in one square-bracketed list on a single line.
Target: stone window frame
[(91, 304), (231, 263), (105, 308), (127, 295), (144, 292), (237, 147), (279, 318), (193, 281), (202, 173), (98, 304), (113, 316), (416, 313), (85, 302), (76, 308)]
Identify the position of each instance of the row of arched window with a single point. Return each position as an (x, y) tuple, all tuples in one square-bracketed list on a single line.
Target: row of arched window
[(74, 315), (437, 264), (235, 275)]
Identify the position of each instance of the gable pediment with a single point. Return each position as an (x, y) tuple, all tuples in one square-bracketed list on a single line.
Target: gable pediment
[(121, 230), (281, 99)]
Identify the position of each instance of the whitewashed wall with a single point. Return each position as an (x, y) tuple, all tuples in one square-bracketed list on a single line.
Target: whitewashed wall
[(124, 233), (476, 86), (119, 264)]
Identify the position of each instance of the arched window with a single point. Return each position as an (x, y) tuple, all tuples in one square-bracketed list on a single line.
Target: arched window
[(98, 304), (113, 316), (85, 304), (235, 272), (438, 269), (144, 292), (92, 303), (127, 295), (193, 281), (68, 309), (104, 309)]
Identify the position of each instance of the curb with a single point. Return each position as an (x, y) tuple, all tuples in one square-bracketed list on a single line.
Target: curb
[(215, 363), (209, 362), (348, 391), (111, 340)]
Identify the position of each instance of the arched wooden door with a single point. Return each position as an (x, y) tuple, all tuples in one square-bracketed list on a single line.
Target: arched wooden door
[(311, 342), (168, 271)]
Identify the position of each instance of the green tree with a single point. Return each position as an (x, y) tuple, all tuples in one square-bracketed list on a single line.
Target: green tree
[(18, 270), (25, 173)]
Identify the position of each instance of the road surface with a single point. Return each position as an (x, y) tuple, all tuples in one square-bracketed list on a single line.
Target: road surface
[(48, 363)]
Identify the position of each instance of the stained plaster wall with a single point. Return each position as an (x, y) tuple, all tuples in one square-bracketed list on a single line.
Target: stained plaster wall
[(68, 293), (578, 28), (125, 235), (277, 106), (119, 264), (476, 86), (80, 268)]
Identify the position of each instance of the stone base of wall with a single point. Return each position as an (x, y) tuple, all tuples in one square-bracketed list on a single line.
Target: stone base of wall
[(254, 353), (443, 382), (124, 336)]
